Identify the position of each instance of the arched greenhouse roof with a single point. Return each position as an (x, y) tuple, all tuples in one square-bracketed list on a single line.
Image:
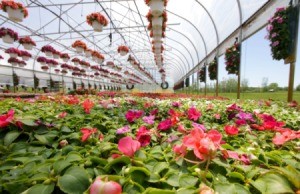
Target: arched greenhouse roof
[(196, 31)]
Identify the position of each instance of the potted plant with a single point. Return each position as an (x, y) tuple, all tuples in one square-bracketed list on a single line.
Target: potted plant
[(156, 6), (52, 63), (202, 74), (75, 61), (88, 52), (123, 50), (110, 64), (212, 69), (64, 72), (16, 11), (64, 66), (157, 21), (27, 43), (57, 71), (1, 57), (45, 68), (13, 61), (42, 60), (56, 54), (48, 50), (13, 52), (25, 55), (97, 21), (65, 57), (98, 57), (79, 46), (232, 59), (84, 64), (8, 35), (131, 60)]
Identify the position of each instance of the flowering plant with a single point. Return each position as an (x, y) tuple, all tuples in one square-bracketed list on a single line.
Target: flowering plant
[(13, 5), (164, 15), (79, 43), (27, 40), (202, 74), (123, 48), (12, 50), (52, 62), (75, 60), (84, 63), (13, 60), (232, 59), (47, 48), (96, 17), (42, 59), (44, 67), (64, 56), (279, 34), (10, 32), (165, 2), (24, 54), (212, 69), (97, 55)]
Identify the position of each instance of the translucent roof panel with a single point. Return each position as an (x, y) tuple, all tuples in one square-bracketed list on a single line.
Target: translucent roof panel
[(194, 29)]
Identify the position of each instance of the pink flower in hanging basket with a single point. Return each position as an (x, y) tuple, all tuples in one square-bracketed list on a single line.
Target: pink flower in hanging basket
[(27, 40), (10, 32), (47, 48), (12, 51), (42, 59), (75, 60), (24, 54), (96, 17), (64, 56)]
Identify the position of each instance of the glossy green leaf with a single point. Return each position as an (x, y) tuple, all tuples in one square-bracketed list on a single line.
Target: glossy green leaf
[(11, 136)]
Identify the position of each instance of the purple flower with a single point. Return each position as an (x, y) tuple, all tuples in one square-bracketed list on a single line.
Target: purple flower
[(274, 35), (123, 130), (270, 28), (276, 43), (149, 120), (176, 104), (199, 126), (245, 116), (172, 138), (279, 20)]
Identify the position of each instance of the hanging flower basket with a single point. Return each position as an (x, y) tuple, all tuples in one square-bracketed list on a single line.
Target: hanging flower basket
[(131, 60), (76, 61), (79, 46), (16, 11), (27, 43), (45, 68), (13, 52), (212, 69), (13, 61), (232, 59), (65, 57), (41, 60), (97, 21), (202, 74), (25, 55), (56, 54), (123, 50), (22, 64), (52, 63), (48, 50), (88, 52), (64, 72), (8, 35), (56, 71)]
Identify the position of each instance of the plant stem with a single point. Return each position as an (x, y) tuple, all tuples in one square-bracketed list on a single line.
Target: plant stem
[(205, 172)]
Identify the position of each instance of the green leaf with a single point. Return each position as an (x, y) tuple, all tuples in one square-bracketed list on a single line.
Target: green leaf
[(232, 188), (40, 189), (186, 180), (73, 156), (158, 191), (28, 122), (236, 175), (46, 139), (60, 165), (118, 163), (272, 183), (291, 174), (74, 181), (173, 180), (160, 166), (11, 136)]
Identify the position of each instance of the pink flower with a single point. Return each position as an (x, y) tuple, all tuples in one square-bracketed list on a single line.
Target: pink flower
[(87, 106), (123, 130), (181, 129), (270, 28), (276, 43), (217, 116), (133, 115), (204, 145), (5, 119), (62, 115), (231, 130), (176, 104), (143, 136), (128, 146), (234, 155), (279, 9), (180, 150), (165, 125), (285, 135), (274, 35), (149, 120), (102, 187), (193, 114), (87, 132)]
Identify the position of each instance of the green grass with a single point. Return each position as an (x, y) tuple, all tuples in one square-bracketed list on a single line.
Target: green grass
[(261, 95)]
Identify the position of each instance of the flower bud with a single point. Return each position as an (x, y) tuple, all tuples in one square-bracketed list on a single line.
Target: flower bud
[(63, 143), (103, 187)]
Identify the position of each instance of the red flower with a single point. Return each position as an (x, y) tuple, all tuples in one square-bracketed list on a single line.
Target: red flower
[(231, 130), (5, 119), (133, 115), (103, 187), (62, 115), (143, 136), (128, 146), (154, 112), (234, 155), (165, 125), (87, 106), (193, 114), (87, 132), (203, 144), (180, 150)]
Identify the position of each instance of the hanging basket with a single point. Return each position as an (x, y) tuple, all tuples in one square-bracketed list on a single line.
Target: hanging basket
[(28, 46), (15, 14), (64, 72), (157, 7), (42, 63), (157, 22), (97, 26), (48, 54), (7, 39), (79, 49), (25, 58), (123, 53), (76, 63), (13, 55), (14, 64), (157, 51), (55, 56)]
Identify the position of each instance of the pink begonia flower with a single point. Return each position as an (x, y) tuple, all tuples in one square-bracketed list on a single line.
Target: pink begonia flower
[(285, 135), (231, 130), (87, 106), (165, 125), (133, 115), (128, 146), (87, 132), (180, 150), (123, 130), (103, 187), (149, 120), (143, 136), (193, 114), (5, 119)]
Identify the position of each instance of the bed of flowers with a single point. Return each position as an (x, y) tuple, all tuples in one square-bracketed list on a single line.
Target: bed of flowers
[(116, 142)]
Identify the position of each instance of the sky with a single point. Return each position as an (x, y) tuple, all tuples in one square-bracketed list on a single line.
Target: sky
[(257, 63)]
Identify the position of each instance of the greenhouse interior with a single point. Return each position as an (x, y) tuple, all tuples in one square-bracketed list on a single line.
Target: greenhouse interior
[(149, 96)]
